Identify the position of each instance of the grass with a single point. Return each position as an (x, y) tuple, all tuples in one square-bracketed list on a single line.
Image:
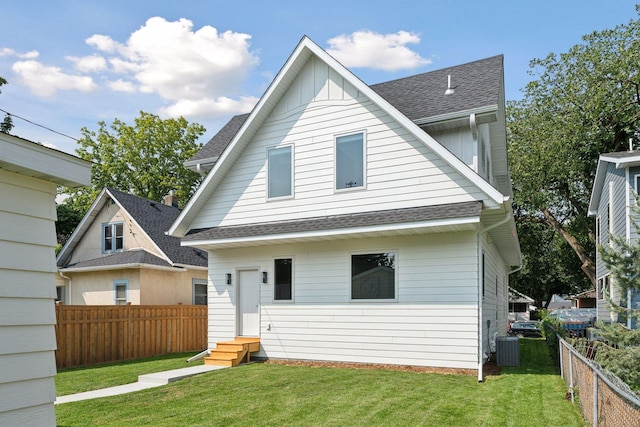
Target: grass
[(77, 380), (269, 394)]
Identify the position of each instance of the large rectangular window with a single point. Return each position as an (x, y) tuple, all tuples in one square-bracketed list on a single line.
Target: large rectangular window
[(280, 172), (283, 281), (373, 276), (350, 161), (112, 237)]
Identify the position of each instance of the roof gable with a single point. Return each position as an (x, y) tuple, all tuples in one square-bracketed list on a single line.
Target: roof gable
[(152, 218), (248, 128), (621, 160)]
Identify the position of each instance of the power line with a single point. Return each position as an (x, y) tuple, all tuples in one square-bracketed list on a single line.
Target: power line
[(39, 125)]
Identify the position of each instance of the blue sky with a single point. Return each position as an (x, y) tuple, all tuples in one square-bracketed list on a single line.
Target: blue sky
[(72, 63)]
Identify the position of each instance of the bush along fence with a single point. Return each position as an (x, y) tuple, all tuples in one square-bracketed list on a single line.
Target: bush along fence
[(605, 400), (89, 335)]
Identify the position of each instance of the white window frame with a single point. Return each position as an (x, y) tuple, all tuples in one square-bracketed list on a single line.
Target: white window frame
[(395, 252), (113, 227), (273, 280), (603, 283), (194, 284), (364, 161), (116, 284), (61, 291), (286, 196)]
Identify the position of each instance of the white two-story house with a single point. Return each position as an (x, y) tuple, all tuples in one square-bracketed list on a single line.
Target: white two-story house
[(357, 223)]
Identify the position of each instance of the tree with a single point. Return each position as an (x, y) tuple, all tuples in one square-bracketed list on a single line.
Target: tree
[(7, 122), (583, 103), (145, 159)]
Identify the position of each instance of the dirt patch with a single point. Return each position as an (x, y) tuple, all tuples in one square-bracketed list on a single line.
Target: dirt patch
[(490, 369)]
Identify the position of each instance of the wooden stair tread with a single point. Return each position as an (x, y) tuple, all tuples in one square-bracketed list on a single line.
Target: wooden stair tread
[(231, 353)]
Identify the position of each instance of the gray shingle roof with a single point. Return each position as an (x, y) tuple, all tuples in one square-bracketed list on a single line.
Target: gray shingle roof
[(337, 222), (122, 258), (477, 84), (155, 219)]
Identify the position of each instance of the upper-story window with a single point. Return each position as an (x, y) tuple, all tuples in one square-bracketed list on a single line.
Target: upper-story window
[(280, 172), (350, 161), (112, 237)]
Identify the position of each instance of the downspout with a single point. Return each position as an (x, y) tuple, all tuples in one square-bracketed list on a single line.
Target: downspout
[(480, 241), (69, 279)]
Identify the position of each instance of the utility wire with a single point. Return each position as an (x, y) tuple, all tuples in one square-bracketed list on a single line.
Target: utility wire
[(39, 125)]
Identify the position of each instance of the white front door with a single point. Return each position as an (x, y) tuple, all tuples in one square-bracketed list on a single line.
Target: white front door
[(249, 303)]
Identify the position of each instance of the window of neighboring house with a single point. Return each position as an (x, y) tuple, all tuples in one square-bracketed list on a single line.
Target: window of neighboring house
[(603, 287), (112, 237), (200, 292), (283, 279), (121, 292), (483, 276), (280, 172), (373, 276), (60, 294), (350, 161)]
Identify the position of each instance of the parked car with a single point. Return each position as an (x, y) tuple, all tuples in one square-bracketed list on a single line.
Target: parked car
[(525, 329)]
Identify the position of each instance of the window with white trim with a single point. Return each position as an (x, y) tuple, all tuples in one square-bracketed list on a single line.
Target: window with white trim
[(280, 172), (373, 276), (112, 237), (350, 161), (200, 292), (121, 292), (603, 287), (283, 279)]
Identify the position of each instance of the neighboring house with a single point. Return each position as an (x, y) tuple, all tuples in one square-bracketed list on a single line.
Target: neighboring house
[(520, 306), (119, 254), (29, 175), (356, 223), (615, 187), (586, 299)]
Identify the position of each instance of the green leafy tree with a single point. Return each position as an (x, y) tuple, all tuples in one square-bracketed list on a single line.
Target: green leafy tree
[(145, 159), (582, 103), (7, 123)]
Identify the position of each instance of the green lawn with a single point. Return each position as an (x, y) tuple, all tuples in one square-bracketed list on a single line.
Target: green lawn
[(275, 395)]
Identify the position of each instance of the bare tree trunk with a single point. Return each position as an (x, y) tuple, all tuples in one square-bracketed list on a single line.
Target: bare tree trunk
[(588, 266)]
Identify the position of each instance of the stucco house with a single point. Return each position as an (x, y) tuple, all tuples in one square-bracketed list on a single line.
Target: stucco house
[(615, 187), (119, 254), (29, 174), (356, 223)]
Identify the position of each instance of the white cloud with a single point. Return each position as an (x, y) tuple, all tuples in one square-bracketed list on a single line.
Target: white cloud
[(367, 49), (32, 54), (192, 69), (46, 81), (88, 64), (210, 108), (122, 86)]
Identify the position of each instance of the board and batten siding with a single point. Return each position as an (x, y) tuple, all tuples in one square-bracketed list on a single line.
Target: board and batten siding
[(27, 292), (434, 321), (400, 170)]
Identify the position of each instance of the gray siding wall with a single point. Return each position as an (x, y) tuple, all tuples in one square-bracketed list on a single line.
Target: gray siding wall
[(27, 292)]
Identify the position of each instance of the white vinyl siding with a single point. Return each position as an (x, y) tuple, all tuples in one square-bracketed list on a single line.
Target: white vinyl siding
[(433, 323), (400, 170), (27, 293)]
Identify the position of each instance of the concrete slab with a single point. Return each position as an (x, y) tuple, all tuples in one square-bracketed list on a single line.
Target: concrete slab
[(144, 382)]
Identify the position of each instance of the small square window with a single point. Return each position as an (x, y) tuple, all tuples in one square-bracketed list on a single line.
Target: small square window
[(350, 161), (283, 281), (373, 276), (112, 237)]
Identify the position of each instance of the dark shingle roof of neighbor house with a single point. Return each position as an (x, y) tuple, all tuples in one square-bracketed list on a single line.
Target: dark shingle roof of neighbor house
[(139, 256), (477, 84), (155, 219), (336, 222)]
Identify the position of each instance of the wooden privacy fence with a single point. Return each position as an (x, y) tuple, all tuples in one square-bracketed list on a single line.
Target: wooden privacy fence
[(88, 335)]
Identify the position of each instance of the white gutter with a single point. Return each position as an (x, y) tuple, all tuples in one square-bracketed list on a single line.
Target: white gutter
[(480, 239)]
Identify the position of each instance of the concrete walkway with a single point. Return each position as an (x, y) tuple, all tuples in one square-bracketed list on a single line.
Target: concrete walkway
[(144, 381)]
